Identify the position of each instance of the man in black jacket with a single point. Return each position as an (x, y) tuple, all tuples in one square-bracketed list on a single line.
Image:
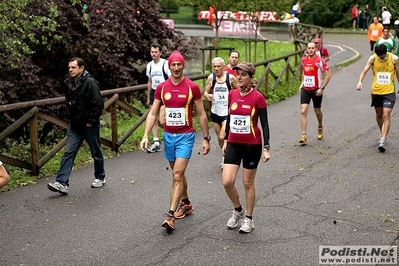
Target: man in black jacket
[(85, 105)]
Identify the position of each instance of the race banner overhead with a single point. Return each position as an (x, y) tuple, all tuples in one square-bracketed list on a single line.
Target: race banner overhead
[(262, 16)]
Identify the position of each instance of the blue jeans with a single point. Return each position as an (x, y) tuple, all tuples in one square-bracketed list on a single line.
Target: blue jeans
[(73, 143)]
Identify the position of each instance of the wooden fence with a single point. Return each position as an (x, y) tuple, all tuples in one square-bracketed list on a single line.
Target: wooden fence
[(113, 105)]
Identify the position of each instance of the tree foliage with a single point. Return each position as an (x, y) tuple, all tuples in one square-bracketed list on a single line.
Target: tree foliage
[(338, 13), (169, 6), (112, 36), (19, 27)]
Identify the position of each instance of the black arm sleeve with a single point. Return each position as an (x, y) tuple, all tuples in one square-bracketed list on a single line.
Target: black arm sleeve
[(227, 130), (265, 126)]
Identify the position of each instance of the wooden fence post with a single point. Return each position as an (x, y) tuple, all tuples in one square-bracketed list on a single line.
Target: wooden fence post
[(34, 144), (114, 126)]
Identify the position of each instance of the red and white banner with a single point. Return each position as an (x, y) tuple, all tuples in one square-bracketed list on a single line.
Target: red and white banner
[(170, 22), (263, 16), (243, 28)]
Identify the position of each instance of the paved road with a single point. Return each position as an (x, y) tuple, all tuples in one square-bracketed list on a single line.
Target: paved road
[(337, 191)]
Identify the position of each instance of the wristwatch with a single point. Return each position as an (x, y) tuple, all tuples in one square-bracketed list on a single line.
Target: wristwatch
[(208, 138)]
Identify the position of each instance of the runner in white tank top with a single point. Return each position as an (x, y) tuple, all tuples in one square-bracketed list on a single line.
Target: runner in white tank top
[(218, 86)]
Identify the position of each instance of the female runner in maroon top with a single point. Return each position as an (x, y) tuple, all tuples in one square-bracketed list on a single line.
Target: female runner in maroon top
[(243, 142)]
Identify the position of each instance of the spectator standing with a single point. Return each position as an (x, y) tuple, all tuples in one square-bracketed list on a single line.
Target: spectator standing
[(212, 15), (363, 20), (157, 72), (321, 50), (285, 16), (85, 105), (387, 40), (179, 95), (396, 26), (4, 178), (293, 22), (386, 17), (218, 86), (243, 144), (355, 14), (296, 9), (234, 56), (384, 65), (374, 32), (367, 15), (312, 88)]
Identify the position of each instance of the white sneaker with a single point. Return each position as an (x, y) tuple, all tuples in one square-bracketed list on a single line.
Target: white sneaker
[(58, 187), (247, 226), (235, 217), (98, 183), (154, 148), (381, 145)]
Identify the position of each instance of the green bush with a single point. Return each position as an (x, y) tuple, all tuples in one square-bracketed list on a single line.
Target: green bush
[(169, 5)]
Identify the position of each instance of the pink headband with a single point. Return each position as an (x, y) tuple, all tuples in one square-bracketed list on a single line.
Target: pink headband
[(176, 56)]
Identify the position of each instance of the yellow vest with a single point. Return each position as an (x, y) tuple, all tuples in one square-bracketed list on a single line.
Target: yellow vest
[(384, 75)]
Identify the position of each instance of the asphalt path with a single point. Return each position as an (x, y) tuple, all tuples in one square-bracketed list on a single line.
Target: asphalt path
[(337, 191)]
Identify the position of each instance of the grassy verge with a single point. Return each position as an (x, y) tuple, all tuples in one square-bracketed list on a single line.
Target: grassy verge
[(185, 16), (273, 50)]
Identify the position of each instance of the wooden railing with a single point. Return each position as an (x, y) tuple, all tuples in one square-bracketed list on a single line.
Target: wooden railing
[(113, 104)]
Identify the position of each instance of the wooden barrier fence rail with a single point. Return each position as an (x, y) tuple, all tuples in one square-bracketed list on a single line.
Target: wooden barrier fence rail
[(113, 104)]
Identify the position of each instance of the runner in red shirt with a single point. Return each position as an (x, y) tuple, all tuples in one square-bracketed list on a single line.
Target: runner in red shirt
[(312, 88), (179, 95), (243, 142), (234, 56), (321, 50)]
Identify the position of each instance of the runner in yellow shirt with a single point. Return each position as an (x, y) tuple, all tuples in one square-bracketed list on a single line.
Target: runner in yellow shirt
[(383, 97)]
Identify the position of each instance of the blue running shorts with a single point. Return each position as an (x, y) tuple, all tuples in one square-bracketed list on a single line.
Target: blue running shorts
[(178, 145)]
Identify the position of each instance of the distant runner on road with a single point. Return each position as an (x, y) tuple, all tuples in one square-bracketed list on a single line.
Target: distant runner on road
[(312, 89)]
